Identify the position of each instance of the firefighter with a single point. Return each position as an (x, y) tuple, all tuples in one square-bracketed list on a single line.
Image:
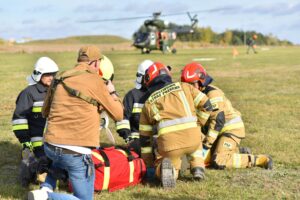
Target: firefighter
[(128, 128), (27, 121), (170, 109), (251, 44), (224, 129)]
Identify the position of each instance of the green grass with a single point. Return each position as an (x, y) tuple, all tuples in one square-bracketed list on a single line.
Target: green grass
[(93, 39), (264, 87)]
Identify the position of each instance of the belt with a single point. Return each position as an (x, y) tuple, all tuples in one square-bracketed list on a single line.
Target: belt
[(62, 150)]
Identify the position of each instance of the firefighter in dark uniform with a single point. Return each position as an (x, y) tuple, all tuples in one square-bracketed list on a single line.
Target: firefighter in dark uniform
[(225, 128), (28, 123), (128, 128)]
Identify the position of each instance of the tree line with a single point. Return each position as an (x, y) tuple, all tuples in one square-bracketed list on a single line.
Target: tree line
[(206, 35)]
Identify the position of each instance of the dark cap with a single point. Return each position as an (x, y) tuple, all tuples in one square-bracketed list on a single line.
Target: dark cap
[(89, 53)]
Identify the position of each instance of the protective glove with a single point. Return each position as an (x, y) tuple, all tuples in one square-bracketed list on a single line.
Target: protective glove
[(135, 145), (39, 151), (43, 164), (124, 133)]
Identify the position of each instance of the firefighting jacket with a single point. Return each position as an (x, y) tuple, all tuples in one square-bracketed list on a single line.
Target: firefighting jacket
[(132, 109), (224, 119), (172, 111), (27, 121)]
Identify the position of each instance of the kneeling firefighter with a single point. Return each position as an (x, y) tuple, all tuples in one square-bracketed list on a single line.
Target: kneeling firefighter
[(224, 129), (171, 110), (128, 128)]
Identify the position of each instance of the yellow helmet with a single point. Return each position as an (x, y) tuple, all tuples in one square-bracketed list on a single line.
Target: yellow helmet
[(106, 69)]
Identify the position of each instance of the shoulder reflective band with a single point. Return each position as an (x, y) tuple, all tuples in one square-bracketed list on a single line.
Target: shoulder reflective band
[(237, 160), (216, 100), (198, 98), (37, 106), (164, 91), (124, 124), (137, 107), (202, 114), (147, 128), (235, 123), (185, 103), (212, 133), (20, 124), (173, 122), (177, 128), (146, 150)]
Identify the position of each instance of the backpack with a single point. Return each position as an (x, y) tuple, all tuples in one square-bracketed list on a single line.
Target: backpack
[(117, 168)]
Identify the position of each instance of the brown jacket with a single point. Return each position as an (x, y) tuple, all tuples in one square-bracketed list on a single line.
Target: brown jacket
[(73, 121), (172, 110), (232, 123)]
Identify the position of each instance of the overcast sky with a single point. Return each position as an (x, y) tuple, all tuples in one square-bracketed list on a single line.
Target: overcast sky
[(42, 19)]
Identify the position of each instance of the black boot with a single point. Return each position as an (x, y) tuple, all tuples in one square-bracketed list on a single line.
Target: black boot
[(198, 173)]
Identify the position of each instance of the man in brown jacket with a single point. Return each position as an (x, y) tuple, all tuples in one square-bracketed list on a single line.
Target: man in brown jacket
[(73, 124), (170, 109)]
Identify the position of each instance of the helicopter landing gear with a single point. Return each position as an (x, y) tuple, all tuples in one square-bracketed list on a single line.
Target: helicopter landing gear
[(174, 51), (145, 50)]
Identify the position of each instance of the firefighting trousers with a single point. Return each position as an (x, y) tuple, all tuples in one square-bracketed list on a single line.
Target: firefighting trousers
[(194, 152), (226, 153)]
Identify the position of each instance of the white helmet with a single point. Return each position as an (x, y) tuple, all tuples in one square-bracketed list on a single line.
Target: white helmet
[(42, 66), (106, 69), (143, 66)]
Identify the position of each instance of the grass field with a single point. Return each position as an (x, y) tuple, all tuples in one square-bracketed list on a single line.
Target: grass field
[(264, 87)]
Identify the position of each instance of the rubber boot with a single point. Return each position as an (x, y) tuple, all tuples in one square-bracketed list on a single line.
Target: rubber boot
[(198, 173), (264, 161), (167, 174)]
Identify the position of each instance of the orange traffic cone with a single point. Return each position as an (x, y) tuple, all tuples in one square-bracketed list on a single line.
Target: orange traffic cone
[(235, 52)]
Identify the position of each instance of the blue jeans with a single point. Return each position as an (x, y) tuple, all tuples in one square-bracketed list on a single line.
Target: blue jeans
[(81, 173)]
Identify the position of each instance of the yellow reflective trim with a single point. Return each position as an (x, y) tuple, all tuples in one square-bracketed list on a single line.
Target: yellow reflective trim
[(202, 114), (177, 127), (36, 109), (18, 127), (233, 126), (198, 98), (185, 103), (237, 160), (123, 126), (136, 110), (143, 127), (37, 143), (131, 167), (213, 133), (216, 100), (145, 150), (197, 154), (106, 177), (98, 156)]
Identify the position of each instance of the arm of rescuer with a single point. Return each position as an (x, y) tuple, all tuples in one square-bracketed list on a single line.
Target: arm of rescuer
[(123, 127), (20, 124), (146, 132), (217, 119), (202, 105), (109, 100)]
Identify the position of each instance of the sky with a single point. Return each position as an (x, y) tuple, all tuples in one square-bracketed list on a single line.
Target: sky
[(48, 19)]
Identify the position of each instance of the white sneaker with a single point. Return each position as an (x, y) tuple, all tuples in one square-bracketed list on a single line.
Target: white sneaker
[(38, 195)]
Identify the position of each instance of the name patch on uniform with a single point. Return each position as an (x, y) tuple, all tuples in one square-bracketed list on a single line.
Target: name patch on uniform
[(227, 145), (164, 91)]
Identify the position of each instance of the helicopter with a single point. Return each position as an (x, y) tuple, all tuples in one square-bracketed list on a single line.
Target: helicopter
[(157, 34)]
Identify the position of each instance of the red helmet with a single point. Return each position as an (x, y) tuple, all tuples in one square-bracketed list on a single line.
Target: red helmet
[(155, 70), (193, 73)]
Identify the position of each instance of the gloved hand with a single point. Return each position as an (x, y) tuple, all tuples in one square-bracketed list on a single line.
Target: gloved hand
[(124, 133), (135, 145), (39, 151)]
